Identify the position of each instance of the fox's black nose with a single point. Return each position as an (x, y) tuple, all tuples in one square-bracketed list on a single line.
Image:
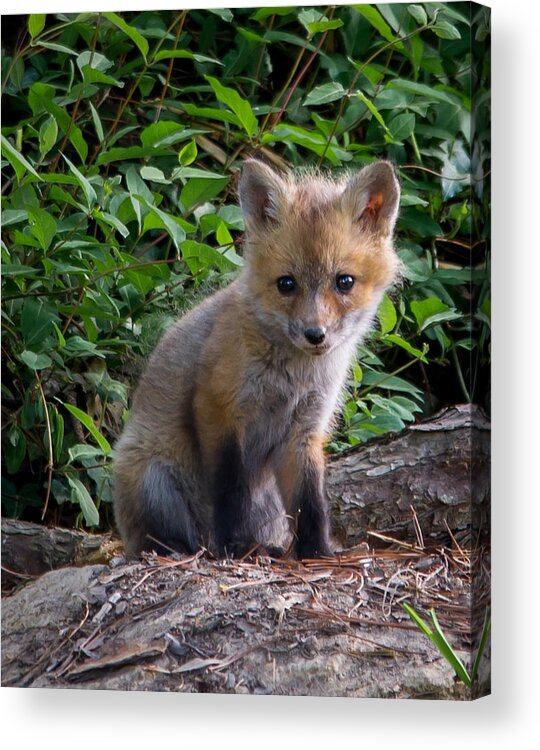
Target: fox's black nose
[(315, 335)]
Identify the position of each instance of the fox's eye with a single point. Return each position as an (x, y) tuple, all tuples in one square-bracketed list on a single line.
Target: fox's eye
[(286, 284), (344, 282)]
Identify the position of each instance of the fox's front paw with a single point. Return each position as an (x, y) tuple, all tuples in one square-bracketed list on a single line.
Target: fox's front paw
[(314, 548), (235, 548)]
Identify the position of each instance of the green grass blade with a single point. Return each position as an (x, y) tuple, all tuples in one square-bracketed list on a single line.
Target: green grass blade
[(448, 652), (424, 627), (481, 646)]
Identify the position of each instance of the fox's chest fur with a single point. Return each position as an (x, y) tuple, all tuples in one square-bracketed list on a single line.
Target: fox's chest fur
[(224, 446), (290, 390)]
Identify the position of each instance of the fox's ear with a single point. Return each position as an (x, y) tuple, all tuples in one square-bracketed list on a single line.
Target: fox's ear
[(372, 198), (261, 192)]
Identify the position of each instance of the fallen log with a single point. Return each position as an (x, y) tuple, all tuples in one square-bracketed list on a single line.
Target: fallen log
[(327, 627), (431, 478), (29, 549), (331, 627)]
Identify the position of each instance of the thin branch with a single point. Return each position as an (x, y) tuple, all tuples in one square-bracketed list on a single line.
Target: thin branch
[(50, 465)]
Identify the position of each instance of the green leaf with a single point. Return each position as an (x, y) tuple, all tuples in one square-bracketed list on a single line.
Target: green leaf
[(373, 109), (390, 383), (415, 267), (15, 449), (35, 361), (421, 89), (59, 335), (93, 60), (86, 420), (387, 315), (10, 216), (233, 217), (162, 133), (310, 139), (112, 221), (83, 451), (80, 496), (223, 235), (261, 14), (36, 24), (357, 373), (98, 127), (41, 99), (393, 406), (137, 187), (418, 13), (446, 30), (92, 75), (240, 106), (197, 191), (131, 32), (402, 126), (154, 175), (430, 311), (48, 133), (42, 225), (88, 190), (57, 429), (131, 152), (17, 160), (173, 54), (251, 36), (200, 257), (18, 269), (37, 318), (456, 167), (61, 48), (377, 21), (315, 22), (327, 92), (160, 219), (224, 13), (393, 338), (187, 173), (419, 222), (188, 154)]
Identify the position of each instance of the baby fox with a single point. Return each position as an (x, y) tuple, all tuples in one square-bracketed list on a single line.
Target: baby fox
[(224, 444)]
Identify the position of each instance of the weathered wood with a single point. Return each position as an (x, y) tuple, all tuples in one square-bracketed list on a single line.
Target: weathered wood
[(28, 549), (440, 467)]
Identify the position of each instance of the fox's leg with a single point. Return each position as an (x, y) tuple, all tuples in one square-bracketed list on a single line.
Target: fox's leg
[(231, 496), (167, 520), (300, 473)]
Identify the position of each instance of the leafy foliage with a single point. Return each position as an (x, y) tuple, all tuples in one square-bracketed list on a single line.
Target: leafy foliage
[(122, 135)]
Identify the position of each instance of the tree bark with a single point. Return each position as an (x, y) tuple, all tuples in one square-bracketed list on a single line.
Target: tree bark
[(438, 468)]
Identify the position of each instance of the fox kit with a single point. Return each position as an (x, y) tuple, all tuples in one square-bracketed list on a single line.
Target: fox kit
[(224, 444)]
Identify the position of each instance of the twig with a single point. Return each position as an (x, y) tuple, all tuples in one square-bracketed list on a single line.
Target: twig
[(50, 465), (159, 106), (417, 529), (395, 541)]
